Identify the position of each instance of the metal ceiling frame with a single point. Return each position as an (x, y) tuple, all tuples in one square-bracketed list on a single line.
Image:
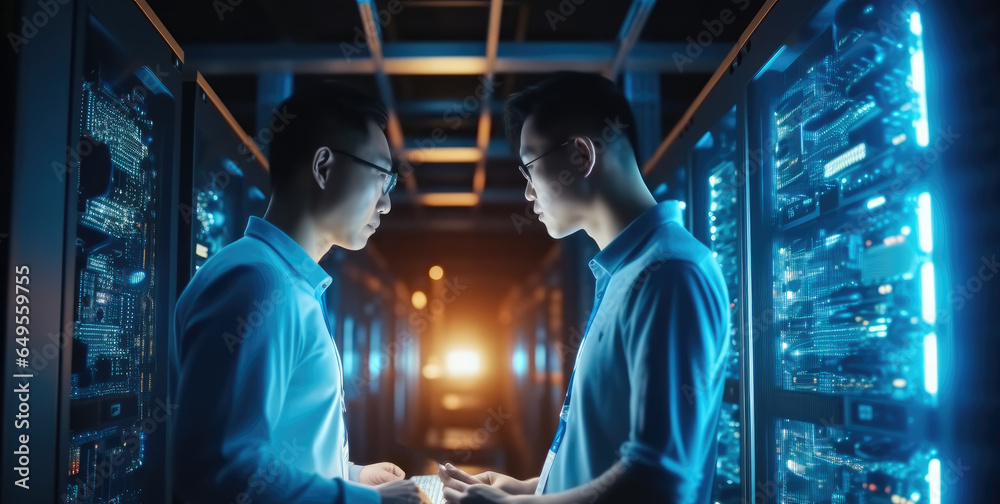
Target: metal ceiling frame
[(449, 58), (487, 58), (373, 37)]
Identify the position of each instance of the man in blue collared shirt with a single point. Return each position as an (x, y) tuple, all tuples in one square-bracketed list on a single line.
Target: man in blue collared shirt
[(253, 367), (639, 420)]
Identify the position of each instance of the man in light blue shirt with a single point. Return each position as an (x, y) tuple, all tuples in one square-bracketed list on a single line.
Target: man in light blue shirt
[(639, 420), (253, 367)]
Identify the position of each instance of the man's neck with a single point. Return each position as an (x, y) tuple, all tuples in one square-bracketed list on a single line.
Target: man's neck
[(298, 226), (614, 212)]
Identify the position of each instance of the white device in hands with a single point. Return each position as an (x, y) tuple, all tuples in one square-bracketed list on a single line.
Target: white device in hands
[(431, 485)]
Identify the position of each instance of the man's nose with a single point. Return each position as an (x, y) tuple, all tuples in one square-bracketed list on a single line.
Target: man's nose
[(529, 191), (384, 204)]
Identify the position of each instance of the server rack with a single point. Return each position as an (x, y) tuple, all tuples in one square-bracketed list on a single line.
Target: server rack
[(834, 252), (223, 180), (93, 183)]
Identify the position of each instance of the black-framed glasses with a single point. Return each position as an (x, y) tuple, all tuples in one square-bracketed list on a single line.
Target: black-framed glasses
[(390, 180), (524, 166)]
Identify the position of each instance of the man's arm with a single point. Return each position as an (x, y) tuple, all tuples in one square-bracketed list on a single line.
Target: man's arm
[(674, 355), (233, 376), (453, 477)]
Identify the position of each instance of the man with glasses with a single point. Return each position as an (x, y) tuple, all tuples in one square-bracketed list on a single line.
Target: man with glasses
[(254, 371), (638, 423)]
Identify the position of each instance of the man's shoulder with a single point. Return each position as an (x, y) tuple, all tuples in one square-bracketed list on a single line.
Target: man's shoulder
[(245, 267), (671, 245)]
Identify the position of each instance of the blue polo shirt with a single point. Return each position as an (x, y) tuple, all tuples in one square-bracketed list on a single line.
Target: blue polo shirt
[(258, 381), (649, 377)]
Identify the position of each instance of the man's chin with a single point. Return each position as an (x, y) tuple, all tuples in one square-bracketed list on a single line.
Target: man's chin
[(555, 232), (358, 242), (559, 232)]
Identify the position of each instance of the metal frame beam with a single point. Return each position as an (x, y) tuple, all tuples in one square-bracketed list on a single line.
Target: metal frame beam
[(628, 35), (373, 37), (449, 58)]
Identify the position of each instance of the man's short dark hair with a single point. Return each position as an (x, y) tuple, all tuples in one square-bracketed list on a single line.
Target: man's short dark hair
[(332, 114), (576, 101)]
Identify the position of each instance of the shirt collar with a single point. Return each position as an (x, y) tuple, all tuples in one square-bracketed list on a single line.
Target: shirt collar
[(297, 258), (611, 258)]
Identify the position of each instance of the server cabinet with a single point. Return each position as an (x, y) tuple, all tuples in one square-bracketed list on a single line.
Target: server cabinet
[(223, 179), (808, 181), (718, 218), (94, 187), (848, 289)]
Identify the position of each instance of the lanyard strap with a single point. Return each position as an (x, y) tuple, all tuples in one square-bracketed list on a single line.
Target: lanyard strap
[(564, 413)]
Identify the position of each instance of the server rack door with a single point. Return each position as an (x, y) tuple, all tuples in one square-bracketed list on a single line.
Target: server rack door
[(223, 182), (98, 96), (846, 285), (718, 175), (121, 290)]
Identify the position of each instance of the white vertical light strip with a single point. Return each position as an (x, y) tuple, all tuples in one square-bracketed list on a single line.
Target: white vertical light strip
[(927, 293), (930, 364), (924, 222), (934, 481), (919, 81)]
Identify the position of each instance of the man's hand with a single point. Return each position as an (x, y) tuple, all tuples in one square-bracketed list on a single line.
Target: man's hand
[(400, 492), (459, 480), (382, 472), (477, 494)]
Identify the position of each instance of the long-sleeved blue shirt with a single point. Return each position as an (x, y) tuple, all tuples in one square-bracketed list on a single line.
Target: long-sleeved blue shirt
[(649, 373), (258, 381)]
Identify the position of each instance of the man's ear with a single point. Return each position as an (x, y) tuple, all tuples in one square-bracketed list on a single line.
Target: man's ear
[(586, 153), (322, 164)]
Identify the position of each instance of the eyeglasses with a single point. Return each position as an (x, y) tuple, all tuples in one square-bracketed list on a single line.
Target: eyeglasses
[(390, 180), (524, 166)]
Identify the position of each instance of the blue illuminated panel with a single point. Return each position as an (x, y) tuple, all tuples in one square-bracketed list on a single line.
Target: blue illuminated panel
[(854, 280), (829, 464), (716, 157), (114, 327)]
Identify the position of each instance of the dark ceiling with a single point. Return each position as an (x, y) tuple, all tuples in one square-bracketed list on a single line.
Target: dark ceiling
[(417, 67)]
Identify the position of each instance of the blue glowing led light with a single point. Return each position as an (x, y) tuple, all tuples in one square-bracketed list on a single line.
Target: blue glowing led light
[(231, 167), (519, 361), (137, 277), (919, 81), (875, 202), (926, 235), (934, 481), (930, 364), (927, 292), (705, 142)]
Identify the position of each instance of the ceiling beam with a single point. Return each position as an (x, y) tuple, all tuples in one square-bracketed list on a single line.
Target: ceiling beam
[(449, 58), (464, 149), (483, 131), (373, 37), (462, 199), (628, 35)]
